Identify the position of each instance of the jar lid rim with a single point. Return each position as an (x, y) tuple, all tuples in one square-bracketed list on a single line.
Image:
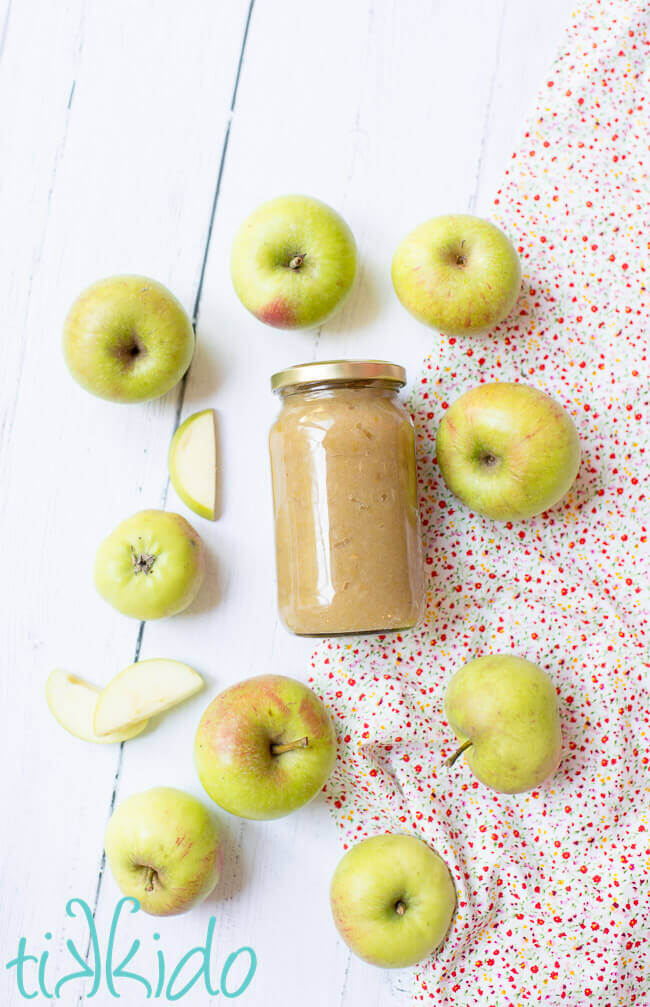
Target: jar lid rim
[(338, 370)]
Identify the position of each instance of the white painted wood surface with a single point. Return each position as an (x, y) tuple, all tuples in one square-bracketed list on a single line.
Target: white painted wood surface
[(135, 136)]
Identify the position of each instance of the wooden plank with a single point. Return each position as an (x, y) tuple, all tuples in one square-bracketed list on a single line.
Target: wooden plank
[(114, 119)]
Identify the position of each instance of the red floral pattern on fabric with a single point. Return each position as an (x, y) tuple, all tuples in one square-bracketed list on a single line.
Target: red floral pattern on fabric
[(553, 901)]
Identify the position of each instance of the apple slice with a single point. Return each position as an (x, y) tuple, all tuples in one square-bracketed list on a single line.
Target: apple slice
[(192, 463), (143, 690), (72, 702)]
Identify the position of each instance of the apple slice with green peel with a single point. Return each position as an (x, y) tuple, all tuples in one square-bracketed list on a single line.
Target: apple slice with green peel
[(72, 702), (193, 463), (143, 690)]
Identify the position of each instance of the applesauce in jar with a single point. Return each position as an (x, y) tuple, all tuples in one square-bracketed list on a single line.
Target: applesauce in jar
[(347, 529)]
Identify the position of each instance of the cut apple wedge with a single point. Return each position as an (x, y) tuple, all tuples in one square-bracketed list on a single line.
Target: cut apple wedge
[(72, 701), (193, 463), (144, 690)]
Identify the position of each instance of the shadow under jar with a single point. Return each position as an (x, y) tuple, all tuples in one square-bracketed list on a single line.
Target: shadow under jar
[(347, 529)]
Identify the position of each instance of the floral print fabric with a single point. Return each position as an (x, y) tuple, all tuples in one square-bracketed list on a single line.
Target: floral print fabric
[(553, 902)]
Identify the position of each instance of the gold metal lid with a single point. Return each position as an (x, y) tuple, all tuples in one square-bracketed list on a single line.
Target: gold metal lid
[(339, 370)]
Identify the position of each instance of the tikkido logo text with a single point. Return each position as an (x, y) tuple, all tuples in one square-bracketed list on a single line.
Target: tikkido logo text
[(105, 973)]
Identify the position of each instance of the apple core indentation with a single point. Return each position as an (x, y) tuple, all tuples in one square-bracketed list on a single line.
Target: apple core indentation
[(128, 351), (457, 254), (142, 561)]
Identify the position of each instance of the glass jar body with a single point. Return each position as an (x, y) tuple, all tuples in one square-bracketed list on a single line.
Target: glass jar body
[(347, 530)]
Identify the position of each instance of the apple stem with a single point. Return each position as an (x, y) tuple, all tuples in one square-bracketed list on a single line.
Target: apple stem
[(296, 262), (289, 747), (148, 879), (457, 754), (400, 908)]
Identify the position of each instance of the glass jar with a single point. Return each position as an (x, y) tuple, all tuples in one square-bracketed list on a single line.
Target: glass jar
[(347, 529)]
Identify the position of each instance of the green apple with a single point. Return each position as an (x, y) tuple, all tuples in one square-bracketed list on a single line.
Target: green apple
[(458, 273), (192, 463), (164, 850), (504, 712), (72, 701), (144, 689), (508, 450), (265, 747), (392, 900), (127, 339), (151, 565), (293, 262)]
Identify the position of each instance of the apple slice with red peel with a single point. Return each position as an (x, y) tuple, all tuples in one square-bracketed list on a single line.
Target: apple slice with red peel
[(143, 690), (192, 463), (72, 701)]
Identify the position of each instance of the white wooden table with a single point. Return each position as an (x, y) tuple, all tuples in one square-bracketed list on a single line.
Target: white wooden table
[(134, 137)]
